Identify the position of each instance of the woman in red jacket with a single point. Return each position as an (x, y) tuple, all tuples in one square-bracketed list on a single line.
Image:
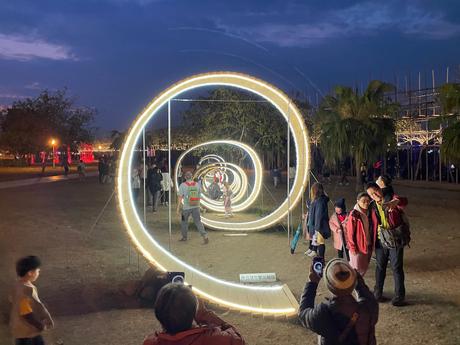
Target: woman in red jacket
[(360, 234)]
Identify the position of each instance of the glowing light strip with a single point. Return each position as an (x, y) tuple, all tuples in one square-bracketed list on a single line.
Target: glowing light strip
[(258, 170), (205, 284)]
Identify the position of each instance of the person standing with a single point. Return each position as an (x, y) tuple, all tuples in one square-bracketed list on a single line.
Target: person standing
[(154, 179), (166, 186), (29, 317), (135, 183), (188, 204), (342, 319), (360, 234), (228, 200), (276, 174), (392, 235), (81, 170), (100, 169), (291, 174), (337, 224), (384, 182), (65, 164), (318, 220)]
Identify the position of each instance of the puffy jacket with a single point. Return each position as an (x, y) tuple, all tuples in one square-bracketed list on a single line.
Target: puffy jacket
[(212, 331), (318, 218), (329, 319), (357, 242), (334, 225)]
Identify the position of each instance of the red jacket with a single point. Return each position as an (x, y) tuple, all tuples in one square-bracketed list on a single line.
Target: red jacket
[(213, 331), (356, 235)]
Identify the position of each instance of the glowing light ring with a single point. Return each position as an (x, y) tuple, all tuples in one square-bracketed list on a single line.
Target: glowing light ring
[(239, 186), (258, 174), (278, 300)]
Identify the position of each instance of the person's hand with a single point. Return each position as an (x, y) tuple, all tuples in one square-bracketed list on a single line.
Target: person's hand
[(313, 276), (48, 324), (391, 205)]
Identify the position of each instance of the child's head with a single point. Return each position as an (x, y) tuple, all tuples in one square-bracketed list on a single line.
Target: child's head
[(339, 206), (28, 268)]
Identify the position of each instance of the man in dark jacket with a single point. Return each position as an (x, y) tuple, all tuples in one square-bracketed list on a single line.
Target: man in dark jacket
[(318, 220), (154, 178), (387, 215), (341, 319), (177, 308)]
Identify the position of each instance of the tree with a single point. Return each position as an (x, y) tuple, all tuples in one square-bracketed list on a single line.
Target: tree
[(233, 114), (357, 125), (28, 125), (449, 96)]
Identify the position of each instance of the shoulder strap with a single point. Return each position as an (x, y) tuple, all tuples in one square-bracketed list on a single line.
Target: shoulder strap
[(350, 325)]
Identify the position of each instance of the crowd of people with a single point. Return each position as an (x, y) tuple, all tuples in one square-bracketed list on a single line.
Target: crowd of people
[(375, 226)]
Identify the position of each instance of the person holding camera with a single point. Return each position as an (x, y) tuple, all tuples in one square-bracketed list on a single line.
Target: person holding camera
[(393, 234), (186, 321), (342, 319)]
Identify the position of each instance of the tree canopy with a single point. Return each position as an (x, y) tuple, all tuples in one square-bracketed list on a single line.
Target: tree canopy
[(356, 125), (28, 125)]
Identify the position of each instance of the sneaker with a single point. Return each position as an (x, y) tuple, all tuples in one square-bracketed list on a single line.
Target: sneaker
[(313, 254), (205, 240), (398, 302), (379, 297), (308, 252)]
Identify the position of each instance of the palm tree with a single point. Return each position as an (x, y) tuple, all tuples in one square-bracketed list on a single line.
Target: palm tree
[(449, 96), (357, 125)]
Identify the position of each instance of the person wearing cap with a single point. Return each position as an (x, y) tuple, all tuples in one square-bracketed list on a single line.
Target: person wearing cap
[(342, 319), (189, 205), (337, 223), (360, 234)]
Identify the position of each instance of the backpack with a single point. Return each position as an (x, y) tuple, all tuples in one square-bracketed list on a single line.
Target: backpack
[(396, 237), (193, 194)]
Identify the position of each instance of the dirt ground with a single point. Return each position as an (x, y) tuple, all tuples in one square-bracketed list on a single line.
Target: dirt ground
[(85, 265)]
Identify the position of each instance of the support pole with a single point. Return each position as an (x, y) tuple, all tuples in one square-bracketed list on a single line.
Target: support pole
[(169, 172), (145, 173), (287, 175)]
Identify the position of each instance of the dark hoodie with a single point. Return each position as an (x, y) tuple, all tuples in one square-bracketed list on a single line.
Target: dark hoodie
[(318, 217)]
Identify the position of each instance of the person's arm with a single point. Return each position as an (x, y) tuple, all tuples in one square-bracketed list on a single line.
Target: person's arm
[(227, 333), (365, 296), (350, 234), (315, 318), (334, 224), (27, 314)]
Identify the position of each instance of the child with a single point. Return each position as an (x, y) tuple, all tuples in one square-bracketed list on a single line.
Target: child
[(81, 170), (228, 200), (337, 224), (29, 317)]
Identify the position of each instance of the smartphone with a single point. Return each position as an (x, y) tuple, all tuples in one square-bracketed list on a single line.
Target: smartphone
[(176, 277), (318, 265)]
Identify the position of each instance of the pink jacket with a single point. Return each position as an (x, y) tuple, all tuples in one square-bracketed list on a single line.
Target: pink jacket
[(334, 224)]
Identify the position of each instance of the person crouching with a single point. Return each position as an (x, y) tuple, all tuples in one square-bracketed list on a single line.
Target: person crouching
[(177, 308)]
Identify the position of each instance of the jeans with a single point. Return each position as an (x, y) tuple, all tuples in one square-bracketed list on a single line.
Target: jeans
[(195, 213), (396, 257), (155, 199), (38, 340)]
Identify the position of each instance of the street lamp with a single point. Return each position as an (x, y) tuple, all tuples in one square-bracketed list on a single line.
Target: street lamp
[(53, 143)]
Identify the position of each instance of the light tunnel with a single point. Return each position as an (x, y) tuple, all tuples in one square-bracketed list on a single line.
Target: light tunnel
[(266, 300)]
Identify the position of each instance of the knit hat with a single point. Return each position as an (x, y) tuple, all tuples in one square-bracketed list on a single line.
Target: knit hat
[(339, 277), (340, 203)]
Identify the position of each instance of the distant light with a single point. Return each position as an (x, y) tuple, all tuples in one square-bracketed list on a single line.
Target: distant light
[(430, 151), (399, 144), (53, 142), (452, 166), (99, 147)]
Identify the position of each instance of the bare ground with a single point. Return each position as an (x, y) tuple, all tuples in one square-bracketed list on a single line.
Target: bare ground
[(84, 266)]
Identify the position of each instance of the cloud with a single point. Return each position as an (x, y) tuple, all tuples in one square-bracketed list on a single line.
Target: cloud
[(23, 48), (360, 20)]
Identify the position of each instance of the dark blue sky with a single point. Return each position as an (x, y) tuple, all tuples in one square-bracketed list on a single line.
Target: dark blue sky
[(115, 55)]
